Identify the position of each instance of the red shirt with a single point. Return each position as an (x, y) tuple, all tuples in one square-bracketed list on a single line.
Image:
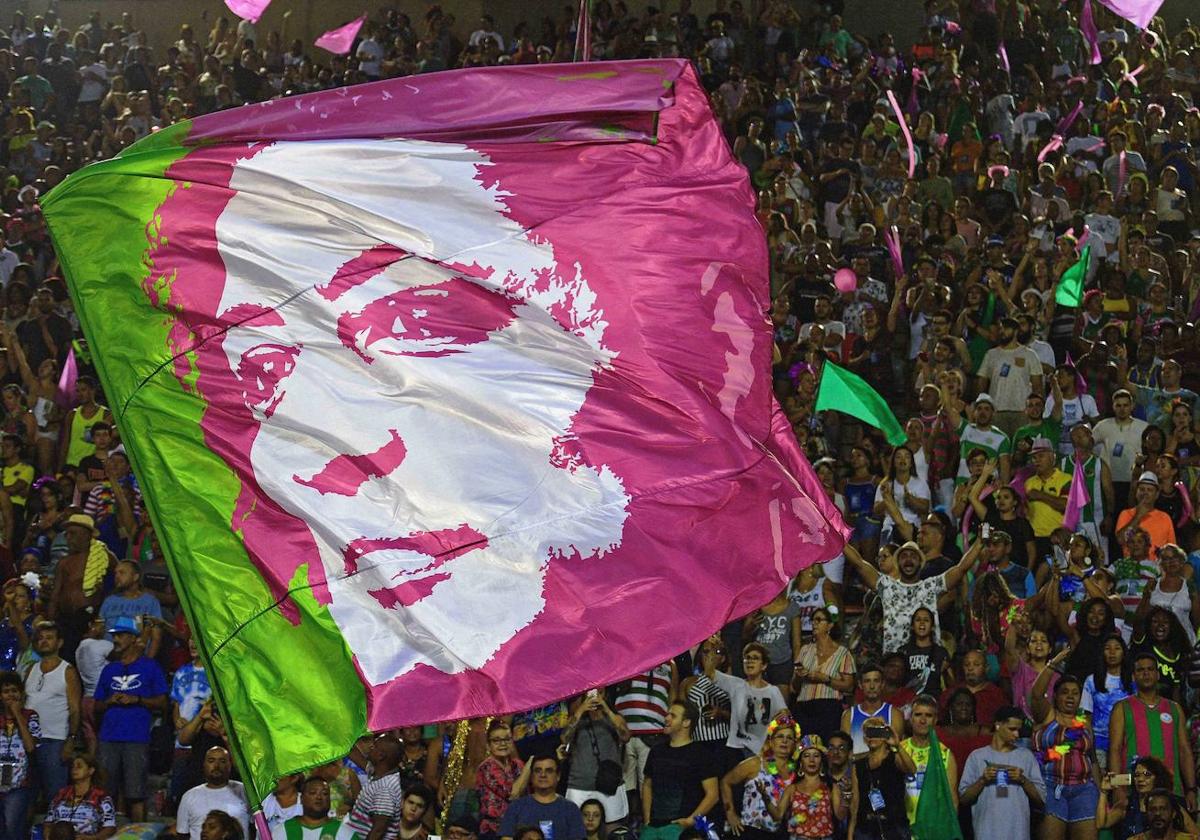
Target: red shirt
[(987, 701)]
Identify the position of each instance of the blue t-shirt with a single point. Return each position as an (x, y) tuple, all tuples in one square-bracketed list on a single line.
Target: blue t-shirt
[(560, 820), (1100, 704), (860, 497), (141, 678), (118, 606)]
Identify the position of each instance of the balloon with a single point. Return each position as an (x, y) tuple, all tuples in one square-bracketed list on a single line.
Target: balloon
[(845, 280)]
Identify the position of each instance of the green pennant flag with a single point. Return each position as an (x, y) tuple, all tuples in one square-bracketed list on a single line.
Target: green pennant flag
[(1070, 285), (850, 394), (936, 817)]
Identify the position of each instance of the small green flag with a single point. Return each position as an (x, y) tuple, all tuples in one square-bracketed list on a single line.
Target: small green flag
[(936, 817), (1070, 285), (850, 394)]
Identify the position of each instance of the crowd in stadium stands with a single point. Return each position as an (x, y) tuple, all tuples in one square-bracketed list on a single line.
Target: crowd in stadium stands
[(1058, 665)]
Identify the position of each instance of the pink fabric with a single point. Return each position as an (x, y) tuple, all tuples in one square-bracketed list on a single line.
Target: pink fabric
[(1078, 498), (1066, 122), (65, 396), (250, 10), (1091, 35), (584, 158), (914, 104), (1002, 51), (1122, 173), (912, 152), (1055, 143), (891, 238), (1138, 12), (340, 40)]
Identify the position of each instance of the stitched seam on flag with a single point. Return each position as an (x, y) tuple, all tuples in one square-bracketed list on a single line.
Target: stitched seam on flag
[(666, 488)]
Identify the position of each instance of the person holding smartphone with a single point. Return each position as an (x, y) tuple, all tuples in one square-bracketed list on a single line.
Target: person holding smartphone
[(1001, 781), (877, 810)]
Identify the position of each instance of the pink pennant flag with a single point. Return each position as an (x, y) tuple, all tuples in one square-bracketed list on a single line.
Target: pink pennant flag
[(250, 10), (913, 105), (953, 28), (1131, 77), (1077, 499), (1064, 125), (1138, 12), (1122, 174), (1080, 383), (912, 152), (65, 396), (1003, 53), (1087, 26), (1185, 513), (891, 238), (339, 41)]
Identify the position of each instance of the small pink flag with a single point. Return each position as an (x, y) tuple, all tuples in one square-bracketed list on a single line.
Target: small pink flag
[(1078, 498), (891, 238), (953, 28), (912, 152), (65, 396), (250, 10), (1003, 53), (1087, 26), (339, 41)]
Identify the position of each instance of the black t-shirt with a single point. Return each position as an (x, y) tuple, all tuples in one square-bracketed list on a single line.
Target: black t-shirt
[(889, 782), (91, 468), (925, 667), (836, 189), (1019, 530), (677, 777)]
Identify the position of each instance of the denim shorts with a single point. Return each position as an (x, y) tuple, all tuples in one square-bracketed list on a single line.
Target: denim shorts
[(1072, 803)]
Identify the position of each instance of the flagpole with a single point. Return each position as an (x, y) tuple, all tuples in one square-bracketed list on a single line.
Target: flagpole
[(583, 32)]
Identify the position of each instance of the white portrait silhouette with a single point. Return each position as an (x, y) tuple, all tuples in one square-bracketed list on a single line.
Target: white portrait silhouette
[(415, 360)]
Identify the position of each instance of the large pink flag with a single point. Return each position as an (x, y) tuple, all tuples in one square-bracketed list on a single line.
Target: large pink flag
[(339, 41), (1078, 498), (250, 10), (463, 381), (1139, 12)]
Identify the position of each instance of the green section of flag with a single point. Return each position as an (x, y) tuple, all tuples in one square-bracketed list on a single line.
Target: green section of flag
[(1070, 285), (936, 818), (290, 691), (850, 394)]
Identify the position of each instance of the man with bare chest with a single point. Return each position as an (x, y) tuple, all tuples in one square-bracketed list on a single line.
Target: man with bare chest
[(78, 590)]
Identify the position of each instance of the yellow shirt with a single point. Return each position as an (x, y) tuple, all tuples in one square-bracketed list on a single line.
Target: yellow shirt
[(1042, 517), (912, 784)]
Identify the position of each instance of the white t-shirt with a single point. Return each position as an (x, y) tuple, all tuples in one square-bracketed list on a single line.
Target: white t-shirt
[(92, 89), (1075, 411), (1106, 232), (370, 57), (1009, 375), (1119, 447), (751, 710), (90, 658), (197, 802), (915, 487), (276, 815)]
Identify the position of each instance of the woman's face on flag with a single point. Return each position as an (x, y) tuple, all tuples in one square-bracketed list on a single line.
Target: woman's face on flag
[(401, 346)]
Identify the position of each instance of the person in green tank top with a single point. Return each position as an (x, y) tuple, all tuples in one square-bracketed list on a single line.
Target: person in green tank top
[(76, 443), (315, 823)]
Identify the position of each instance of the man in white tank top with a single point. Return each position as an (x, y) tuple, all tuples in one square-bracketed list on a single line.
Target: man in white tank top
[(55, 692)]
